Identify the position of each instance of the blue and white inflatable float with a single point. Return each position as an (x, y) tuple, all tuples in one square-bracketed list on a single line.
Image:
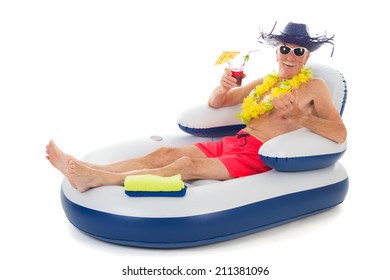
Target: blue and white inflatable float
[(306, 179)]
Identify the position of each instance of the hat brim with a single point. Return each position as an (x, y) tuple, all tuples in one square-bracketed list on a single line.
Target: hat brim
[(310, 43)]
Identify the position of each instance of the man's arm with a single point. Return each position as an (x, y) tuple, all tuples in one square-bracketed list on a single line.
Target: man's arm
[(228, 94), (327, 122)]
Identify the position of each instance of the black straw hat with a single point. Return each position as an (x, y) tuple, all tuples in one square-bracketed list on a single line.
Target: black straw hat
[(298, 34)]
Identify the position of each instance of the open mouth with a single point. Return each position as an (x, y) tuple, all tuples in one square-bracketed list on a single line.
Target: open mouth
[(289, 64)]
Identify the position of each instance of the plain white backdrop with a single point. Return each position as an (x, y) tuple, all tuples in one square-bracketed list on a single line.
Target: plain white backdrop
[(92, 73)]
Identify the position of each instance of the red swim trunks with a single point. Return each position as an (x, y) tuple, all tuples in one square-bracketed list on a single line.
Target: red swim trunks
[(239, 154)]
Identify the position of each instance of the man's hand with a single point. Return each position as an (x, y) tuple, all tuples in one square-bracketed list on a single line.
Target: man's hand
[(227, 81), (288, 105), (227, 93)]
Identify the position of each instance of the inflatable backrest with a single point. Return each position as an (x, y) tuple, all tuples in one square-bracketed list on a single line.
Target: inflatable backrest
[(336, 83)]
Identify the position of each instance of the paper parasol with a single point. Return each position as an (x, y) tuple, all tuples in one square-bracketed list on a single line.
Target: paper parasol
[(225, 57)]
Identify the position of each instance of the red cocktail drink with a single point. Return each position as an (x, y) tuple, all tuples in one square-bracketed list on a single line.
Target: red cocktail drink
[(237, 68), (238, 74)]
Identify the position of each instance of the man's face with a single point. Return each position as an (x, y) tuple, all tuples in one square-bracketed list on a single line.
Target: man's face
[(291, 58)]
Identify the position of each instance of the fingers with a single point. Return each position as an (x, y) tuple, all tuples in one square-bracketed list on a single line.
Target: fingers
[(294, 91), (278, 104), (227, 80), (228, 71), (281, 101), (286, 100), (288, 104)]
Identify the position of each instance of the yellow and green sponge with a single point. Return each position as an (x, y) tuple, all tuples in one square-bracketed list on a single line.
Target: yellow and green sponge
[(153, 185)]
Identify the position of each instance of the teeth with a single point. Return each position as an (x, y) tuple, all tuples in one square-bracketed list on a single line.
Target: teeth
[(289, 63)]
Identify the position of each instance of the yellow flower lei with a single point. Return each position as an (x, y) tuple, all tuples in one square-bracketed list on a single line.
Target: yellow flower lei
[(255, 104)]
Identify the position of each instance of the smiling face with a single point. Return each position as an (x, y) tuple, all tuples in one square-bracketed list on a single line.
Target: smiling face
[(291, 62)]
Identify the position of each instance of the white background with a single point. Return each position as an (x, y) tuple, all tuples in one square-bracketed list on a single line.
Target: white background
[(92, 73)]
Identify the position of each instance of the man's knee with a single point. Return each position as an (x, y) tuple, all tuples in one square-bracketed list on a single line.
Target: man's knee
[(184, 165), (184, 161), (163, 151), (165, 155)]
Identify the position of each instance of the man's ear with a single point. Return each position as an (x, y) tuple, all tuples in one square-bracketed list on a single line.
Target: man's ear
[(307, 57)]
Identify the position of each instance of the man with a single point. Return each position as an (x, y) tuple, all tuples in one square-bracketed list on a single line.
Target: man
[(273, 109)]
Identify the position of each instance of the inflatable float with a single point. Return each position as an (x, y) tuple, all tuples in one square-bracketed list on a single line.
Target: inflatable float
[(306, 179)]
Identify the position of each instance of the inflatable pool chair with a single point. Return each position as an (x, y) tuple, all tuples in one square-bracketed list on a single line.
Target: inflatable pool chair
[(306, 179)]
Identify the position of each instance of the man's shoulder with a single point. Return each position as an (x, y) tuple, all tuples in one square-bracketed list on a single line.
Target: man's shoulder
[(317, 81), (317, 84), (315, 88)]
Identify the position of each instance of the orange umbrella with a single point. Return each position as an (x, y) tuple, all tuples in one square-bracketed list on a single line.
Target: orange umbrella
[(225, 57)]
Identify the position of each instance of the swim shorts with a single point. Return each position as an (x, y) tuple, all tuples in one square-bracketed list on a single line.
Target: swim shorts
[(239, 154)]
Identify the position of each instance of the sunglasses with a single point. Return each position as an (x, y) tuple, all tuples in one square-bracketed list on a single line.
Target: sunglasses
[(285, 50)]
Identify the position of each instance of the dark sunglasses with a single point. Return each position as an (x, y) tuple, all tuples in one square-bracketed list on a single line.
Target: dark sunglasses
[(300, 51)]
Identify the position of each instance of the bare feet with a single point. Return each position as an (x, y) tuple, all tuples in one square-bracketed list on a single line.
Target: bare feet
[(81, 176), (85, 178), (57, 157)]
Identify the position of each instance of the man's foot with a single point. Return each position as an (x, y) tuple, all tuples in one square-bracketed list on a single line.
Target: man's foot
[(57, 157), (84, 178)]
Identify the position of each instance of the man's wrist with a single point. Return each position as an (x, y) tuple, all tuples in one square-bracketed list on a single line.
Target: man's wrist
[(301, 118), (222, 90)]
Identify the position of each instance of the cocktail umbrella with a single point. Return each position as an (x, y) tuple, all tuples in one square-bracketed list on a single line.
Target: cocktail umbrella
[(225, 57)]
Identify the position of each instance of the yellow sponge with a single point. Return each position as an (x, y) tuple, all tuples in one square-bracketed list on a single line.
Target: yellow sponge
[(153, 185)]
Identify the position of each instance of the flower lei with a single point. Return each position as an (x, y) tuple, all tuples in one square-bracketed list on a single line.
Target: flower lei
[(256, 104)]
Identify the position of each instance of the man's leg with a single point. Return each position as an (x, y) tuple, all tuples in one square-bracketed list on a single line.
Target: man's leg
[(83, 177), (156, 159), (159, 158)]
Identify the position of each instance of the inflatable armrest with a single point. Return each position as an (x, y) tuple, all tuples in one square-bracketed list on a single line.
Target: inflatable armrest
[(300, 150), (204, 121)]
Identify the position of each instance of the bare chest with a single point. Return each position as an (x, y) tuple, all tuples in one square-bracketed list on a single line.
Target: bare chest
[(274, 123)]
